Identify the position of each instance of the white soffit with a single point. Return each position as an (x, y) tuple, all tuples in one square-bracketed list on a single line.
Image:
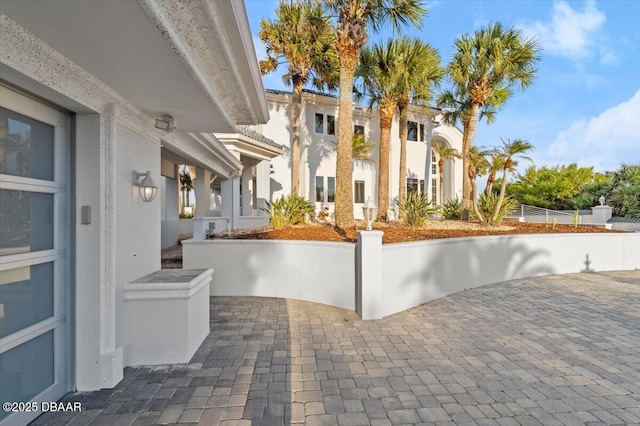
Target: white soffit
[(161, 73)]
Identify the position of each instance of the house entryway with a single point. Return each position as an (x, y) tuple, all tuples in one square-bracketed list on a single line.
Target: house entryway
[(34, 253)]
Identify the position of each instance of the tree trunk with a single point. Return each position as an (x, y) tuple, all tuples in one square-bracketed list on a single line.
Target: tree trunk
[(402, 182), (503, 189), (295, 142), (344, 155), (490, 179), (387, 110), (474, 191), (467, 143)]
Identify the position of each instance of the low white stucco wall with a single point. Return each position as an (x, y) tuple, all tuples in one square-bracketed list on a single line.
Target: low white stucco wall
[(626, 226), (320, 272), (415, 273)]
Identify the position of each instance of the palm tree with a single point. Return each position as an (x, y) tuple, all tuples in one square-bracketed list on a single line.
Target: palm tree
[(353, 18), (376, 75), (509, 150), (483, 70), (478, 165), (301, 36), (495, 165), (419, 72), (186, 186), (444, 152)]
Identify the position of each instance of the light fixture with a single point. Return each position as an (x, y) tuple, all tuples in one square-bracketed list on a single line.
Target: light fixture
[(435, 123), (602, 200), (166, 122), (369, 211), (145, 185)]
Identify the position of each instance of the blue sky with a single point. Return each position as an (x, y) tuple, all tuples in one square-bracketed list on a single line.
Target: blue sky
[(584, 106)]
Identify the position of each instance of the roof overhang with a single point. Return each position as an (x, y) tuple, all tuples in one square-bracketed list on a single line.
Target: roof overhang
[(250, 146), (201, 150), (192, 60)]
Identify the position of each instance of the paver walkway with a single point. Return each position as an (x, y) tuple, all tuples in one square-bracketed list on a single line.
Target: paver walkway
[(540, 351)]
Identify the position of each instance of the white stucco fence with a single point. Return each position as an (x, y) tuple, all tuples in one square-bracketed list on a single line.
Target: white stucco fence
[(321, 272), (399, 276)]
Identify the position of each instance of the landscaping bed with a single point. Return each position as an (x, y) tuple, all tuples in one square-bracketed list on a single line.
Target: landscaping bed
[(396, 233)]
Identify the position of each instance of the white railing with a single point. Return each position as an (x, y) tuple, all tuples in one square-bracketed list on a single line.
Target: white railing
[(534, 214)]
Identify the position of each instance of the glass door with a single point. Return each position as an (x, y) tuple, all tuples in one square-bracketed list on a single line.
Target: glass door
[(34, 241)]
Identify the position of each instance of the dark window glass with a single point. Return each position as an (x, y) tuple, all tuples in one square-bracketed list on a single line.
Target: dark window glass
[(358, 191), (422, 186), (26, 146), (412, 131), (26, 221), (358, 130), (319, 123), (331, 125), (434, 191), (412, 185), (320, 189), (331, 189), (422, 135)]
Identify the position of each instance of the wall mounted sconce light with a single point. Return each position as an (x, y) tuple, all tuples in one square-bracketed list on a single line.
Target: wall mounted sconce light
[(166, 122), (145, 185), (435, 123)]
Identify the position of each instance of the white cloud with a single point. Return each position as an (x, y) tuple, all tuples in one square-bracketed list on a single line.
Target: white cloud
[(571, 33), (605, 141)]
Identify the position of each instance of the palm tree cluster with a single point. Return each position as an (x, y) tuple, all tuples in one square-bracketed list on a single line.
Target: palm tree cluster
[(324, 42)]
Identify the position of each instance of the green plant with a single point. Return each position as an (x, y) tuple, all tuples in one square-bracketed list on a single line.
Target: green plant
[(416, 209), (289, 210), (576, 216), (488, 203), (554, 223), (452, 209)]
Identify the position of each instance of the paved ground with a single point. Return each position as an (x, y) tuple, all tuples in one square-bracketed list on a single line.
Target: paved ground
[(553, 350)]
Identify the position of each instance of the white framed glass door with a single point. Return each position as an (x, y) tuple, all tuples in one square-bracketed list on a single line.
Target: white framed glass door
[(34, 251)]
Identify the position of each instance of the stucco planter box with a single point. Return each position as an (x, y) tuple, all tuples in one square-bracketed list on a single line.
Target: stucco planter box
[(167, 316)]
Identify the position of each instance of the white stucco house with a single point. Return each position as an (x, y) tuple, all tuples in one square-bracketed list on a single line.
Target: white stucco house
[(318, 146), (84, 87)]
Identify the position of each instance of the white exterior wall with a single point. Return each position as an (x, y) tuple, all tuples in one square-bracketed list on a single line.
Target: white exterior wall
[(318, 150), (318, 272)]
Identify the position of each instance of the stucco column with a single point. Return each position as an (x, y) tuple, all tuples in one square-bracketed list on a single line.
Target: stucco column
[(203, 193), (369, 297), (263, 170), (601, 214), (247, 191), (230, 195)]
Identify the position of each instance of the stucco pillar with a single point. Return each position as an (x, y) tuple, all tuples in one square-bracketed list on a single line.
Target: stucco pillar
[(247, 191), (601, 214), (263, 171), (203, 193), (230, 199), (369, 298)]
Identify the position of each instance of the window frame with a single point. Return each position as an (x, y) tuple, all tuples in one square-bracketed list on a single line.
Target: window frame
[(321, 116)]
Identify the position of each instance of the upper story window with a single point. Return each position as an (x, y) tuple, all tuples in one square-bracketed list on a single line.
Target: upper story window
[(412, 131), (331, 125), (423, 136), (358, 130), (319, 123)]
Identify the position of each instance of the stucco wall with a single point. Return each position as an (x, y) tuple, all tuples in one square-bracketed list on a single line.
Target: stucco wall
[(415, 273), (319, 272), (137, 236)]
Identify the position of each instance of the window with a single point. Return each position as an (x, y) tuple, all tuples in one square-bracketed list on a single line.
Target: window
[(358, 191), (319, 189), (412, 131), (358, 130), (434, 163), (331, 189), (319, 123), (434, 191), (422, 135), (331, 125), (412, 185), (422, 186)]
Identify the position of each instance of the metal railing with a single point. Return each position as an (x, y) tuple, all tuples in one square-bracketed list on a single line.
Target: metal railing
[(539, 214)]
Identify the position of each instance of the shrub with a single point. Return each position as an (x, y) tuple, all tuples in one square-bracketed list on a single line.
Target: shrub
[(289, 210), (416, 209), (487, 206), (452, 210)]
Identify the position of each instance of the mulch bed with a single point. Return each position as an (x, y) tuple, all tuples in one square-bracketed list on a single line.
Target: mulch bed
[(399, 234)]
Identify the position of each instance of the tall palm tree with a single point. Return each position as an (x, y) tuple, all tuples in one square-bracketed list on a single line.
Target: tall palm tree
[(186, 186), (353, 18), (302, 36), (484, 68), (420, 71), (509, 150), (478, 165), (376, 76), (444, 152)]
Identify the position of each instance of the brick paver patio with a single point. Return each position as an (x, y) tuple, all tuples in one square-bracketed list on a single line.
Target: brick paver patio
[(557, 350)]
